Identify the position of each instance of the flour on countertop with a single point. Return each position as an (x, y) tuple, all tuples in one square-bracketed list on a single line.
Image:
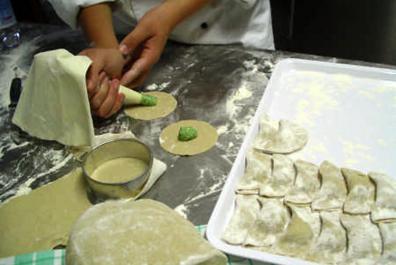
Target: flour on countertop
[(11, 63), (8, 146), (54, 157), (222, 129), (182, 210), (250, 79), (156, 87)]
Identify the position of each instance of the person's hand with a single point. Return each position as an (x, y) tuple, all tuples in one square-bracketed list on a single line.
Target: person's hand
[(105, 100), (109, 61), (144, 46)]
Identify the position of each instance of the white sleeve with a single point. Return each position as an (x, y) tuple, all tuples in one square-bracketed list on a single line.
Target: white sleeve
[(68, 10)]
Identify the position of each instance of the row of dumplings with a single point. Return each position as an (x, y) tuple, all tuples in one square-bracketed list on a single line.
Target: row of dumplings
[(327, 237), (322, 213), (326, 187)]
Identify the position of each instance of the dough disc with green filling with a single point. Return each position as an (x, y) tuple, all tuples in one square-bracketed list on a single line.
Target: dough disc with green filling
[(207, 137), (166, 104)]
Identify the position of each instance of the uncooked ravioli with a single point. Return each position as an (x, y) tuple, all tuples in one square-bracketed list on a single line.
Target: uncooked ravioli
[(270, 221), (166, 104), (388, 232), (281, 179), (361, 191), (385, 199), (206, 139), (280, 137), (306, 185), (331, 243), (302, 230), (258, 169), (333, 191), (247, 208), (364, 239)]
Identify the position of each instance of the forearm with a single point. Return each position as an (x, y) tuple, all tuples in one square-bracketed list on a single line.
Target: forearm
[(96, 20)]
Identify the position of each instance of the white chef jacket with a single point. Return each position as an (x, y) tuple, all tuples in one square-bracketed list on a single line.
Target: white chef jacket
[(247, 22)]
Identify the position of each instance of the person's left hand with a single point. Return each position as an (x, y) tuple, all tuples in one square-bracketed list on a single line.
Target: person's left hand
[(106, 100), (144, 46), (109, 61)]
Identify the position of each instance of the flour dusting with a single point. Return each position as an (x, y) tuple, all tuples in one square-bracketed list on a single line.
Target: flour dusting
[(159, 87), (222, 129), (11, 67), (182, 210)]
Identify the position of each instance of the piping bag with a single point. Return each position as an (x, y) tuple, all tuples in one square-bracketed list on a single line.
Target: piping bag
[(135, 98), (54, 103)]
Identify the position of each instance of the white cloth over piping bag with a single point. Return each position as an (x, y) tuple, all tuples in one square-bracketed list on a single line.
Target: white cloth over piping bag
[(54, 103)]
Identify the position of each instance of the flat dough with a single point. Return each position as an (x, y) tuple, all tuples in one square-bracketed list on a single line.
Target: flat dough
[(281, 179), (54, 103), (206, 139), (244, 216), (281, 137), (166, 104), (300, 233), (386, 259), (333, 191), (361, 191), (364, 240), (384, 208), (258, 169), (270, 222), (306, 185), (388, 232), (331, 244), (137, 232), (43, 218)]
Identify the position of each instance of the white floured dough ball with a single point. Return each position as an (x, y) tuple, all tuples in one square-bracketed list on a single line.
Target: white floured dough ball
[(137, 232)]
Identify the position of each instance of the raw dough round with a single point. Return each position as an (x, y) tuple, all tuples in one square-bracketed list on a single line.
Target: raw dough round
[(166, 104), (139, 232), (207, 137)]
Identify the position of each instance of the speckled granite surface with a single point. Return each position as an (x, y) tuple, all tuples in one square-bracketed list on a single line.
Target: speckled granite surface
[(218, 84)]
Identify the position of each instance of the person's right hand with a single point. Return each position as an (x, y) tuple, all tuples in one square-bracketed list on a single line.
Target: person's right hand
[(144, 46), (109, 61), (105, 100)]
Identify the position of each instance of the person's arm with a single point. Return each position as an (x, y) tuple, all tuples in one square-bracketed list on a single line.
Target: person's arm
[(147, 41), (97, 24)]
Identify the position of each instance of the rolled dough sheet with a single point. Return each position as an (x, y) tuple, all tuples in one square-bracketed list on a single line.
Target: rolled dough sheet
[(166, 104), (43, 218), (206, 139)]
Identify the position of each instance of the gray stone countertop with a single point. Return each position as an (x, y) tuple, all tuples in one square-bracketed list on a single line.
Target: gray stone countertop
[(218, 84)]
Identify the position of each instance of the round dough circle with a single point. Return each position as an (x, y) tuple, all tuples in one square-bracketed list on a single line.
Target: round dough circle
[(207, 137), (125, 232), (166, 104)]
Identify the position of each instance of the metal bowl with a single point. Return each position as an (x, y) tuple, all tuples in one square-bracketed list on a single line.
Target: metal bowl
[(121, 148)]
